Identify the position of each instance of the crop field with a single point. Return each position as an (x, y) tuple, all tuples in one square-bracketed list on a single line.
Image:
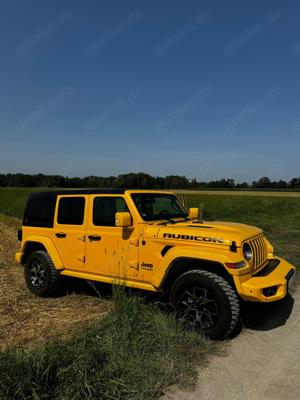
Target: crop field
[(239, 192), (12, 201), (77, 320)]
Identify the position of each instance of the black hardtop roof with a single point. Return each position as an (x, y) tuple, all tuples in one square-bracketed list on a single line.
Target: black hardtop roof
[(55, 193)]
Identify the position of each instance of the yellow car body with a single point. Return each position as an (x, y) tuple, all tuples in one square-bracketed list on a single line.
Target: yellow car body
[(150, 254)]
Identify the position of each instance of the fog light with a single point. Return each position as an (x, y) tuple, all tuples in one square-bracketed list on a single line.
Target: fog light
[(270, 291)]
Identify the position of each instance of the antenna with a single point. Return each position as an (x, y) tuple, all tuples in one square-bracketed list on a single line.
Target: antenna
[(183, 200), (201, 210)]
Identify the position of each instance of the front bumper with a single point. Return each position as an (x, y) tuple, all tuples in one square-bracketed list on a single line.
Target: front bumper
[(273, 278)]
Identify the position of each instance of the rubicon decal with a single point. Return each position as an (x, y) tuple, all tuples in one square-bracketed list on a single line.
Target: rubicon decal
[(206, 239)]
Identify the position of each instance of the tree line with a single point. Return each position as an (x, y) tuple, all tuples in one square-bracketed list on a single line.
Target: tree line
[(138, 180)]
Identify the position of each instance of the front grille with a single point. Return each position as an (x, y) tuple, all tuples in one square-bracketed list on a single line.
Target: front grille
[(260, 252), (268, 268)]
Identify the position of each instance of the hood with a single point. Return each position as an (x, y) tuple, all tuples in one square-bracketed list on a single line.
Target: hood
[(206, 232)]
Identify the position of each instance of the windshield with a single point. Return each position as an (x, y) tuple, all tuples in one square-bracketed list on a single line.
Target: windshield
[(155, 206)]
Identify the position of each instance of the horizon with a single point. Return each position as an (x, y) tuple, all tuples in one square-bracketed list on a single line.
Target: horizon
[(189, 179), (202, 91)]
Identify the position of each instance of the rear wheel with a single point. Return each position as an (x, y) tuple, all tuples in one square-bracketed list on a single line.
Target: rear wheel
[(41, 277), (206, 303)]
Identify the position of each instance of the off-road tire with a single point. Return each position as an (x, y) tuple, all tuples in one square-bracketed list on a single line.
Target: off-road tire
[(49, 283), (222, 300)]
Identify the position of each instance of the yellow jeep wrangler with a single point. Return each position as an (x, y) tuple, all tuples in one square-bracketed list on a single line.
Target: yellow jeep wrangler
[(148, 240)]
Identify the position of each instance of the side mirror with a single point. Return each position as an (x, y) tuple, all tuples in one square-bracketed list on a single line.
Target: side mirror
[(123, 219), (194, 213)]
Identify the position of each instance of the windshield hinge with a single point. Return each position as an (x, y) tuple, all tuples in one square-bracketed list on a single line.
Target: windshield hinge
[(233, 247)]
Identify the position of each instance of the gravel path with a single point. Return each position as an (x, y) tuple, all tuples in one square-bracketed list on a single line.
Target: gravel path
[(262, 362)]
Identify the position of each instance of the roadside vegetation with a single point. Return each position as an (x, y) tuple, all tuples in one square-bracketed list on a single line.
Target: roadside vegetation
[(134, 353)]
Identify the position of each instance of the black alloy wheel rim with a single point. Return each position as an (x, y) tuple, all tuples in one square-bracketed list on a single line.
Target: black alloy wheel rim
[(198, 308), (37, 274)]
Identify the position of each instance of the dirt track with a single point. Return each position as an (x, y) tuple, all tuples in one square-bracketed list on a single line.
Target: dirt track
[(263, 362)]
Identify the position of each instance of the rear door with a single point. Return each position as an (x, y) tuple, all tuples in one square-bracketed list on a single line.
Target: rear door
[(110, 250), (69, 230)]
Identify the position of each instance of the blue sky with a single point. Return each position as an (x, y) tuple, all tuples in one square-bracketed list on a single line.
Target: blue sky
[(204, 89)]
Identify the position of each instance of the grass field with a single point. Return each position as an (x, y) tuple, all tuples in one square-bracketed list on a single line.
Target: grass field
[(238, 192), (12, 201), (51, 348)]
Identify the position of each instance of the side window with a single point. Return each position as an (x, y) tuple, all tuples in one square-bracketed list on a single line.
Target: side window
[(40, 212), (104, 210), (71, 211)]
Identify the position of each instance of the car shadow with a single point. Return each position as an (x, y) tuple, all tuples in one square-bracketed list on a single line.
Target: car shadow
[(87, 288), (105, 290), (263, 316), (266, 316)]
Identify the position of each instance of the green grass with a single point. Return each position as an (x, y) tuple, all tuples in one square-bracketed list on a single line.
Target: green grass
[(12, 201), (135, 353)]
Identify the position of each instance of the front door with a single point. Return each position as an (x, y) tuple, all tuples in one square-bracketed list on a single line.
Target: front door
[(111, 251), (69, 229)]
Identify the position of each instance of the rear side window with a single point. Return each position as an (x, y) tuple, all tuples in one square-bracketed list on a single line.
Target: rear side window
[(105, 208), (71, 211), (40, 212)]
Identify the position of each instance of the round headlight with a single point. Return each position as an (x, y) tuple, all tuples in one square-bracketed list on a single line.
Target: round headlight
[(248, 253)]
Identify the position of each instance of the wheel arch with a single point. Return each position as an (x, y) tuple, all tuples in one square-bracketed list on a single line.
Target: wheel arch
[(34, 244), (31, 247), (180, 265)]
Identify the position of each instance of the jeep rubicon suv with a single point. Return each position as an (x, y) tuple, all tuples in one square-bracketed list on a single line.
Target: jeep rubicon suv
[(149, 240)]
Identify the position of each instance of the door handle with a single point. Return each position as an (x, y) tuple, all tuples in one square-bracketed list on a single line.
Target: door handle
[(94, 238), (60, 235)]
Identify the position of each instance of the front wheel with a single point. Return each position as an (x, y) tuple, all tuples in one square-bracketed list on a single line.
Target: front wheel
[(206, 303), (41, 277)]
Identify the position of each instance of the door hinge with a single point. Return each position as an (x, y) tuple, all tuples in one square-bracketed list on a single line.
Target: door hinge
[(134, 265), (81, 258), (81, 237)]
